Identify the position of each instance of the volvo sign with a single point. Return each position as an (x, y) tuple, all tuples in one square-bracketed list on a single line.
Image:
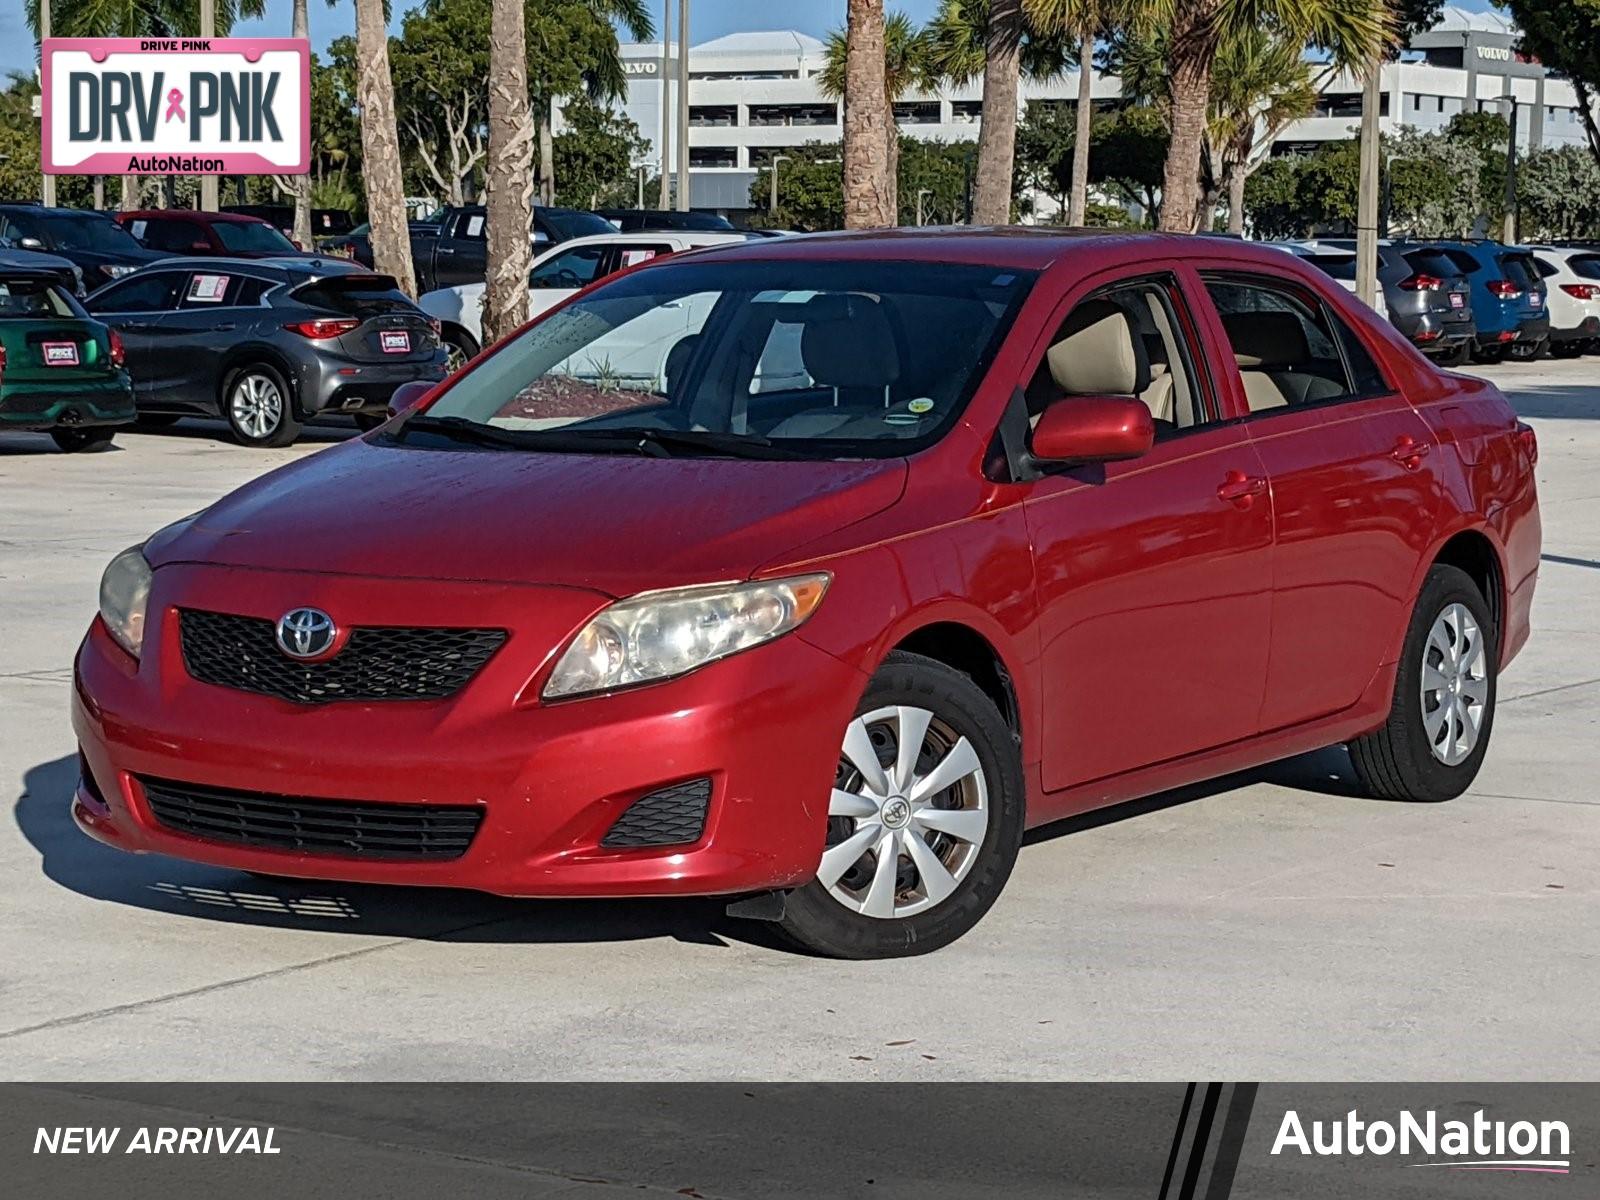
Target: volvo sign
[(176, 106)]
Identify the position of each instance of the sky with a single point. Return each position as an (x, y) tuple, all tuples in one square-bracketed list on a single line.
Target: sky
[(708, 19)]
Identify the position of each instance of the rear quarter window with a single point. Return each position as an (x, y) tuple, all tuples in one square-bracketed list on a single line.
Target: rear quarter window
[(1433, 262), (1586, 265)]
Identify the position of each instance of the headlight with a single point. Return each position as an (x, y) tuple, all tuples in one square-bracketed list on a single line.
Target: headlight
[(118, 270), (656, 635), (124, 592)]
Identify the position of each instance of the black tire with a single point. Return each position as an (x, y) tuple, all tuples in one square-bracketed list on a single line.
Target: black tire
[(1397, 762), (458, 341), (156, 420), (83, 441), (817, 921), (1566, 349), (284, 425), (1528, 351), (1489, 354), (1456, 356)]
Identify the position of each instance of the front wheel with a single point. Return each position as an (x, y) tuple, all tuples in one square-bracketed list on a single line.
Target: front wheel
[(78, 441), (460, 348), (1439, 722), (258, 408), (924, 820)]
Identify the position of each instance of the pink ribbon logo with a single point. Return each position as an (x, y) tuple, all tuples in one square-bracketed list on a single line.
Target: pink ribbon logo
[(174, 105)]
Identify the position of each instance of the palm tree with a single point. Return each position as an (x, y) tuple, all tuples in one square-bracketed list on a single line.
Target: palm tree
[(508, 179), (1261, 85), (868, 119), (380, 147), (1353, 32), (602, 77), (962, 43), (136, 19), (1083, 21), (906, 67), (299, 186)]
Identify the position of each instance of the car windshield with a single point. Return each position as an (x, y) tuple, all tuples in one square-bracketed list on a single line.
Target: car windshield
[(35, 298), (762, 358), (1339, 266), (86, 232), (252, 236)]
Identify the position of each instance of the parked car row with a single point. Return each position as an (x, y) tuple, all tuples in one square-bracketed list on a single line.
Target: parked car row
[(1478, 300)]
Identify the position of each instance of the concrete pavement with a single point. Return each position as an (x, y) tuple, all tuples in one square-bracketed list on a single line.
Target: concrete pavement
[(1274, 927)]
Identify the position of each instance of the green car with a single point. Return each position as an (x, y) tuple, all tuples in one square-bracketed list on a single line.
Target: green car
[(60, 369)]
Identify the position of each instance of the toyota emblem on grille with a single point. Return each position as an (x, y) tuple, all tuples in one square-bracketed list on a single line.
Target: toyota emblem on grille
[(306, 633)]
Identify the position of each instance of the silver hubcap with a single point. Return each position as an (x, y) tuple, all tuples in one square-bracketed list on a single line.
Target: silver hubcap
[(1455, 685), (909, 810), (256, 405), (454, 358)]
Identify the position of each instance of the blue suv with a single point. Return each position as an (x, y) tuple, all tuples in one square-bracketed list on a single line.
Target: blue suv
[(1508, 299)]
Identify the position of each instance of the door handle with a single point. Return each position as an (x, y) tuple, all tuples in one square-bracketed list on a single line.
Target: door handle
[(1241, 489), (446, 250), (228, 325), (1409, 452)]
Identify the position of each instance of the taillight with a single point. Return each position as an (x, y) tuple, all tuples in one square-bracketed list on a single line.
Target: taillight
[(436, 325), (1527, 441), (327, 327), (1583, 291), (1422, 283), (116, 348), (1504, 289)]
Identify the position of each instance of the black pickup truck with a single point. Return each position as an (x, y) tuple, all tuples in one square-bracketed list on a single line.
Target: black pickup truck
[(448, 248)]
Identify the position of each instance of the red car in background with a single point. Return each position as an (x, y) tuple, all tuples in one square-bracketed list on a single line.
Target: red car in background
[(190, 232), (813, 571)]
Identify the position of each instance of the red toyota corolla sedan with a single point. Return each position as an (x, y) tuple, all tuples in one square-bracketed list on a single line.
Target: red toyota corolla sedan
[(812, 571)]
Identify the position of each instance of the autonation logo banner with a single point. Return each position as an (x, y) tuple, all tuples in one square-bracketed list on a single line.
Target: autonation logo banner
[(176, 106), (1477, 1143)]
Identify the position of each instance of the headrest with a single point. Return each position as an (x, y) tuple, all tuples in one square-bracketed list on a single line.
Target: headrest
[(1099, 353), (1267, 341), (677, 364), (847, 342)]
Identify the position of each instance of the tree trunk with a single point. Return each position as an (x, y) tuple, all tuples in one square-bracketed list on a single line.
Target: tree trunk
[(1194, 37), (99, 192), (892, 160), (508, 178), (547, 155), (1078, 201), (301, 188), (380, 149), (867, 200), (130, 193), (1237, 176), (997, 134)]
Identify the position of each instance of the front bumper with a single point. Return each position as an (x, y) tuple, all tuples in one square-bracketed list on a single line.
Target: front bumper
[(328, 384), (551, 779), (70, 403)]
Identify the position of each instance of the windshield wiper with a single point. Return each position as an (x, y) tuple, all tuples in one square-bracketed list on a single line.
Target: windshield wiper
[(732, 445), (659, 443)]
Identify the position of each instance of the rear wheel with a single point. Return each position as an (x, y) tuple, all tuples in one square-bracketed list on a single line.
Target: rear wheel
[(1489, 354), (924, 821), (459, 347), (76, 441), (1439, 722), (1456, 356), (1566, 349), (1527, 351), (258, 408)]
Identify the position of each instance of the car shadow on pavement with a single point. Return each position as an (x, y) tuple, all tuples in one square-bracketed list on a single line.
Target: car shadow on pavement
[(77, 862), (1323, 771), (38, 445), (333, 429), (1552, 401)]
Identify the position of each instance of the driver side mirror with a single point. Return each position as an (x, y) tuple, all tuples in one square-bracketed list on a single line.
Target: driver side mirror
[(1088, 429), (408, 395), (29, 243)]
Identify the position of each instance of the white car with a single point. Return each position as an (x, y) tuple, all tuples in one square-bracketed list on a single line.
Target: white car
[(1573, 279), (557, 273), (1335, 261)]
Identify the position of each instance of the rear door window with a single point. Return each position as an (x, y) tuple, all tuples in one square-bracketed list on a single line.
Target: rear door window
[(155, 292), (574, 268)]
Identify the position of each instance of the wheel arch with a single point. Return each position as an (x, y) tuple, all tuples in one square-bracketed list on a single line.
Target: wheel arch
[(959, 644), (249, 354), (1473, 550)]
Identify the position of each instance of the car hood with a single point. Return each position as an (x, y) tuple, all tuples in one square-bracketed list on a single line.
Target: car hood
[(611, 523)]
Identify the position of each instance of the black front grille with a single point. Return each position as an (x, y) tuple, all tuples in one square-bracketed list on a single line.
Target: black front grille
[(674, 816), (379, 662), (347, 829)]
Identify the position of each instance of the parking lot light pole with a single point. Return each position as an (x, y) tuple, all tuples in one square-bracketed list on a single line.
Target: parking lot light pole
[(208, 183), (683, 105), (772, 206), (1508, 234), (47, 182), (666, 106), (1367, 197)]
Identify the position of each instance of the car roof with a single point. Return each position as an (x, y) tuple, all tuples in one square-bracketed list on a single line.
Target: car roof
[(309, 267), (189, 214), (1018, 246), (58, 211), (695, 237)]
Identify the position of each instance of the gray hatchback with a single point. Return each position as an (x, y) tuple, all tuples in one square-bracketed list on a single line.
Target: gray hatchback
[(267, 344)]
